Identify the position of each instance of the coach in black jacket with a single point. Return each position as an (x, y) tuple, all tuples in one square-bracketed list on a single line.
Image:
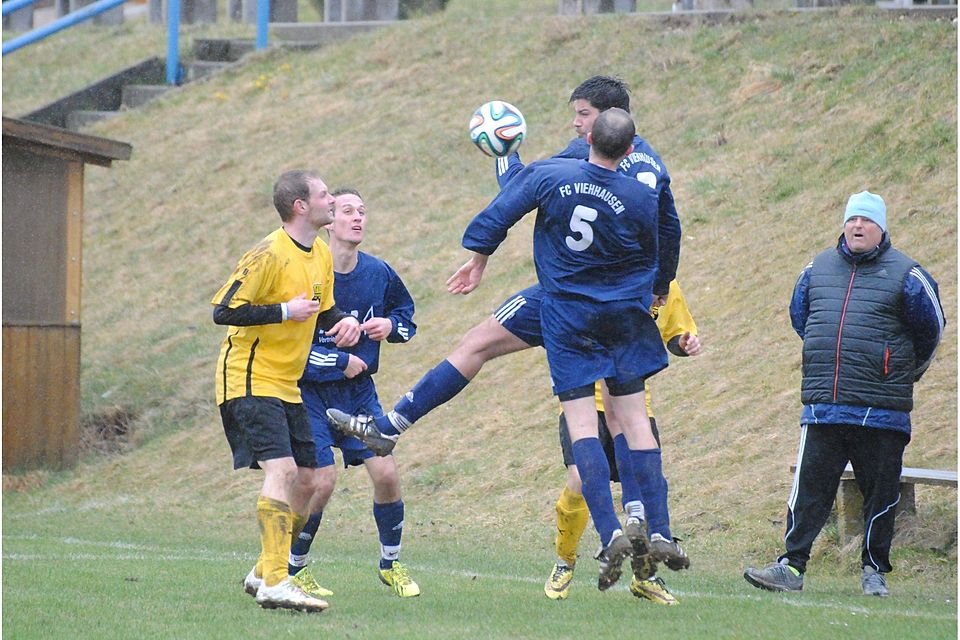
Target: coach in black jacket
[(870, 319)]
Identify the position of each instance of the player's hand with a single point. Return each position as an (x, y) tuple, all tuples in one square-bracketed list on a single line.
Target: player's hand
[(346, 332), (301, 308), (658, 301), (377, 328), (690, 344), (355, 366), (467, 278)]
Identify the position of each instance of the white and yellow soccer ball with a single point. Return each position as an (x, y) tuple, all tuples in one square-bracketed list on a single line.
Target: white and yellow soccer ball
[(497, 128)]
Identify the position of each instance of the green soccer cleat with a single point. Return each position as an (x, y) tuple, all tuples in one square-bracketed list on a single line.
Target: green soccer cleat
[(653, 590), (401, 582), (306, 581), (558, 584)]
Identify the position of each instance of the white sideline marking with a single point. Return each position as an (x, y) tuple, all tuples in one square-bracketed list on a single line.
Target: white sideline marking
[(135, 552)]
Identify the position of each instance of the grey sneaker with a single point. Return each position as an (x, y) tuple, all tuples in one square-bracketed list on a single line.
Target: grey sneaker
[(363, 427), (610, 559), (669, 552), (774, 577), (641, 562), (873, 583)]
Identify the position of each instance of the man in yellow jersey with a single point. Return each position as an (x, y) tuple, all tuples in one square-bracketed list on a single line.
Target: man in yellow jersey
[(279, 292), (679, 333)]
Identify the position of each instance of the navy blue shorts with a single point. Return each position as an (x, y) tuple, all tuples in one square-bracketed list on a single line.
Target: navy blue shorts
[(261, 428), (357, 395), (520, 315), (588, 340)]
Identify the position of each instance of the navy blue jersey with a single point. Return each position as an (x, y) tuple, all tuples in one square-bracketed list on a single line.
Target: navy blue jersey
[(372, 289), (644, 165), (595, 234)]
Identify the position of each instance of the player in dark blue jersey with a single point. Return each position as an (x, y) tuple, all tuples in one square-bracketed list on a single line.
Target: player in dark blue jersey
[(369, 289), (595, 250), (515, 325)]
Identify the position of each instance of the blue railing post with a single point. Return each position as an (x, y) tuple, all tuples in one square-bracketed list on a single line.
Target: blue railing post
[(173, 41), (68, 20), (263, 19)]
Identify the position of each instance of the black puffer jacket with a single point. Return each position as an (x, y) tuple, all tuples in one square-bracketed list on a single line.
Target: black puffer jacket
[(855, 351)]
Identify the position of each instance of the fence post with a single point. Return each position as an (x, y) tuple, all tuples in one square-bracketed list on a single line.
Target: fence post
[(173, 41), (263, 21)]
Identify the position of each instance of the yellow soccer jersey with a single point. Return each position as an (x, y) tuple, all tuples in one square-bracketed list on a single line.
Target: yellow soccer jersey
[(267, 360), (673, 319)]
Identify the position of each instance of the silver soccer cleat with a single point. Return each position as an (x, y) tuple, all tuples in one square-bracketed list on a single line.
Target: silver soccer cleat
[(363, 428)]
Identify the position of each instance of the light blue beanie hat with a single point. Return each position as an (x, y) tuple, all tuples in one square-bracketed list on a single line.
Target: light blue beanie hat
[(868, 205)]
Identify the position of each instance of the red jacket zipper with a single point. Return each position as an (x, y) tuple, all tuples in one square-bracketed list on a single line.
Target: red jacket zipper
[(843, 316)]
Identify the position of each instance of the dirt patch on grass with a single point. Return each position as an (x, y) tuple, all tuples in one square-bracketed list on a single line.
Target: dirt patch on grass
[(107, 432)]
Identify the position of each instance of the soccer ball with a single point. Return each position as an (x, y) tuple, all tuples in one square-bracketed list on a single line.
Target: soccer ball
[(497, 128)]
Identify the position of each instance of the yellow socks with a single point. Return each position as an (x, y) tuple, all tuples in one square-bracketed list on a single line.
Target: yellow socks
[(276, 522), (572, 518)]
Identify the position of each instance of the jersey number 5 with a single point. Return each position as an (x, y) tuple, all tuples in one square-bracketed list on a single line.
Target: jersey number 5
[(579, 223)]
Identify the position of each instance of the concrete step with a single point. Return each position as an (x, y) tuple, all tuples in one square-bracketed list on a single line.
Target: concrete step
[(321, 33), (77, 120), (137, 95), (198, 69), (299, 46), (222, 49)]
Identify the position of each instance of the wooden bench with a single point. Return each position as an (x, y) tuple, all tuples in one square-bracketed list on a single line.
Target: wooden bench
[(850, 500)]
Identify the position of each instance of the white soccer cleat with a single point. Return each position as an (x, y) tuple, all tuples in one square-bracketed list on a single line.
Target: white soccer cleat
[(286, 595), (252, 584)]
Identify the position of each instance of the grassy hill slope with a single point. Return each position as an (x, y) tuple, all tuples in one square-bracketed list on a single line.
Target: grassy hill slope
[(766, 123)]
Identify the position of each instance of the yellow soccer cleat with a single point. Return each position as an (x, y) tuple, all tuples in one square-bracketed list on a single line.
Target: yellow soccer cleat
[(401, 582), (653, 590), (558, 584), (305, 580)]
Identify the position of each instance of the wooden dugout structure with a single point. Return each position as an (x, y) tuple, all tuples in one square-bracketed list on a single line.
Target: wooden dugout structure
[(42, 235)]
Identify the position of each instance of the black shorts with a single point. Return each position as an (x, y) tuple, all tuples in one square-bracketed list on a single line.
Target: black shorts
[(605, 441), (261, 428)]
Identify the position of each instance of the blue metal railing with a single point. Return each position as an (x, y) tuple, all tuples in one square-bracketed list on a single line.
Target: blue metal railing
[(174, 69), (60, 24), (12, 5)]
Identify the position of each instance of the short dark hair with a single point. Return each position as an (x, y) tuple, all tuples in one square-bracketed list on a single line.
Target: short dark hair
[(603, 92), (613, 133), (290, 187), (342, 191)]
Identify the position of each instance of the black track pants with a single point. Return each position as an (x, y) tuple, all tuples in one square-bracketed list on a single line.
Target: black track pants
[(877, 458)]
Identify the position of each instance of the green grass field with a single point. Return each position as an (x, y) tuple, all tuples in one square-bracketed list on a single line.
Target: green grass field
[(164, 574), (766, 122)]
